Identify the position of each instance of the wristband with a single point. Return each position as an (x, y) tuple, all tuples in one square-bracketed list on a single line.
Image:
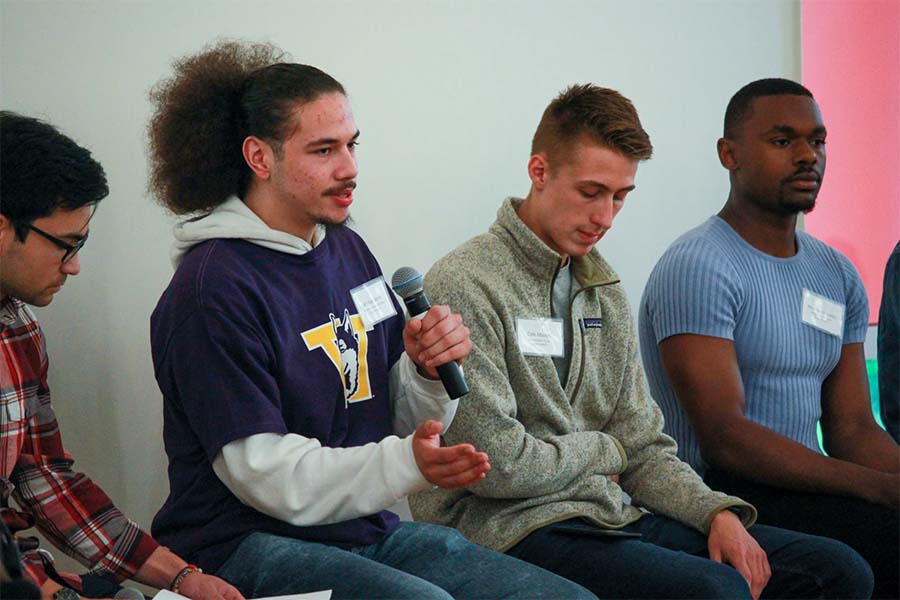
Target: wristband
[(176, 583)]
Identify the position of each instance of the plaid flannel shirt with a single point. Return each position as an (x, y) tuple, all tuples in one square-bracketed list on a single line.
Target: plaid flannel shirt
[(67, 507)]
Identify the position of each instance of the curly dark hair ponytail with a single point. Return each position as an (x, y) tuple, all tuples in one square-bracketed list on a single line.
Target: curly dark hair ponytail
[(209, 106)]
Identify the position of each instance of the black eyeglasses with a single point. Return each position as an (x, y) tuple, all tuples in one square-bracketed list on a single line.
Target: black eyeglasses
[(71, 249)]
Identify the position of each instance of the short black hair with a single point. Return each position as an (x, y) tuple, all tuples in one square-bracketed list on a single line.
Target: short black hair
[(739, 107), (42, 170)]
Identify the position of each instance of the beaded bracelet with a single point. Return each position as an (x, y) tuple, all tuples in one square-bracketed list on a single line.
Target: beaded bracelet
[(176, 583)]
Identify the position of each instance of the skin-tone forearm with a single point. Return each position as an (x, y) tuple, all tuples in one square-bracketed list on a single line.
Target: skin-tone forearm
[(730, 441), (160, 569), (757, 453), (873, 447), (849, 431)]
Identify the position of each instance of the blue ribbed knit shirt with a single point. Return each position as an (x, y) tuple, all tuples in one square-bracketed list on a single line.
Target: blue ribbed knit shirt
[(712, 282)]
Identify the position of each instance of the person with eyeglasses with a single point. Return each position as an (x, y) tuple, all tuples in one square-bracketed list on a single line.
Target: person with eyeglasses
[(49, 189), (70, 250)]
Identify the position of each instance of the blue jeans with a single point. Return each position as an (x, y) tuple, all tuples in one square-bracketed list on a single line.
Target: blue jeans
[(417, 561), (666, 559), (870, 529)]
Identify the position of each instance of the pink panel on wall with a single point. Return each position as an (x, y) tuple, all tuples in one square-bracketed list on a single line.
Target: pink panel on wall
[(851, 64)]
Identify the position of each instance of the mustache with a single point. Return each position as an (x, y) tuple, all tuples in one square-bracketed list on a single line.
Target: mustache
[(340, 189)]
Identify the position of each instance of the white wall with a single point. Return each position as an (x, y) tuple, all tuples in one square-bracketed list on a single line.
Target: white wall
[(447, 94)]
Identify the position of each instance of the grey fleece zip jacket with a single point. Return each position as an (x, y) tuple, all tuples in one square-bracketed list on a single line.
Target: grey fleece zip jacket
[(551, 447)]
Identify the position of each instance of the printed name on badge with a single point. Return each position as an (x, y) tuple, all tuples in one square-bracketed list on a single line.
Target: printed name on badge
[(822, 313), (373, 302), (540, 337)]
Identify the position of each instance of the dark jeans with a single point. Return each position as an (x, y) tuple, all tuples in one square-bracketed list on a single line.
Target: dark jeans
[(417, 561), (870, 529), (670, 560)]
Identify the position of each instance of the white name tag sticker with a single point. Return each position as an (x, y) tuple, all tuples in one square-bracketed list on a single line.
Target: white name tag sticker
[(540, 337), (822, 313), (373, 302)]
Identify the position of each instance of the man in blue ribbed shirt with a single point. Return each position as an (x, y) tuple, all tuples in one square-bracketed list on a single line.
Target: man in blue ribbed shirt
[(752, 332), (889, 346)]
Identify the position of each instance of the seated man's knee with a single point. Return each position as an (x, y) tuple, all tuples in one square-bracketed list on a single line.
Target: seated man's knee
[(539, 583), (844, 573), (821, 567), (574, 591), (426, 590), (435, 539), (718, 581)]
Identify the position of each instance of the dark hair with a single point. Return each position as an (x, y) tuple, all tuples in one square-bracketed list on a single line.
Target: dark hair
[(42, 170), (205, 111), (605, 115), (740, 106)]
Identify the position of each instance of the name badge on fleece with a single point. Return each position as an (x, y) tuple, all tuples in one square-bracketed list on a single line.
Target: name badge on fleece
[(540, 337), (822, 313), (373, 302)]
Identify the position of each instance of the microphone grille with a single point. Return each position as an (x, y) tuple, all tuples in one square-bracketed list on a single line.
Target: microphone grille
[(406, 282)]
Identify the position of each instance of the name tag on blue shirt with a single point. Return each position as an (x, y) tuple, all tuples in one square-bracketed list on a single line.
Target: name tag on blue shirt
[(822, 313)]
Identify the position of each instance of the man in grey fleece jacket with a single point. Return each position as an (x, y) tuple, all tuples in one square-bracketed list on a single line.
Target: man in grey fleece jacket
[(559, 403)]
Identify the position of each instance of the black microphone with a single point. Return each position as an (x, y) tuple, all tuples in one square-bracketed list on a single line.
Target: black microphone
[(407, 282)]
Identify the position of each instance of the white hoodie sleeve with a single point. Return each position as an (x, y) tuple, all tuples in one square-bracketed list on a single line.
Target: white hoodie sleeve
[(293, 478), (416, 399)]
